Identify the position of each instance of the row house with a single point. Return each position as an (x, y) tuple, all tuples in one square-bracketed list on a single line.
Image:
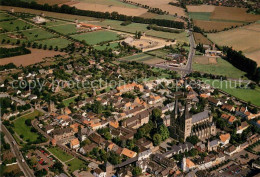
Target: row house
[(137, 121), (62, 133)]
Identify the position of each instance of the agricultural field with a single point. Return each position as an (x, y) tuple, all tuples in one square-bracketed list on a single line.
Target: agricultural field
[(65, 28), (59, 42), (93, 38), (200, 39), (216, 66), (164, 5), (50, 2), (245, 39), (125, 10), (14, 25), (230, 87), (48, 14), (117, 3), (142, 58), (22, 129), (36, 56), (131, 28), (180, 37), (218, 18)]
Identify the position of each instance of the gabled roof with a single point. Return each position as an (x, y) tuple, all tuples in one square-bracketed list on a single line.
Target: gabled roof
[(224, 137)]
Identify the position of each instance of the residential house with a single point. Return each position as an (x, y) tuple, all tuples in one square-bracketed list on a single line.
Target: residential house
[(244, 125), (224, 138), (74, 143)]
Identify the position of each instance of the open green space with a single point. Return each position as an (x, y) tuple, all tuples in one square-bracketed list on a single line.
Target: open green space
[(60, 154), (37, 34), (162, 53), (22, 129), (136, 57), (222, 67), (65, 28), (60, 42), (231, 87), (106, 46), (4, 16), (15, 25), (6, 37), (180, 37), (75, 164), (93, 38), (69, 100), (54, 22), (131, 28), (200, 15)]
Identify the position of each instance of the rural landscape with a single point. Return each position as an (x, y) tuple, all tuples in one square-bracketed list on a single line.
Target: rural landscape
[(122, 88)]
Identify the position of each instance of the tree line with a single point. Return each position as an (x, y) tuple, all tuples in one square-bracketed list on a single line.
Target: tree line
[(106, 15), (10, 52), (243, 63)]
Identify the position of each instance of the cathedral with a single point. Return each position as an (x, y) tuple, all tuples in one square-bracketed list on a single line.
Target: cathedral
[(184, 124)]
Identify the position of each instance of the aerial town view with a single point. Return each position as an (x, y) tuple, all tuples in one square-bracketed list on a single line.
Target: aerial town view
[(130, 88)]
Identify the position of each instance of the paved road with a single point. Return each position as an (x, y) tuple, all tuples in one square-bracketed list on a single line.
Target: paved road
[(15, 148)]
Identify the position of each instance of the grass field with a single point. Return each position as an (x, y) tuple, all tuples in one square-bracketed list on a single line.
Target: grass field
[(22, 129), (55, 22), (69, 100), (143, 58), (105, 46), (14, 25), (131, 28), (222, 67), (4, 16), (65, 29), (109, 2), (215, 25), (180, 37), (37, 34), (60, 154), (60, 42), (75, 164), (93, 38), (200, 15), (230, 87)]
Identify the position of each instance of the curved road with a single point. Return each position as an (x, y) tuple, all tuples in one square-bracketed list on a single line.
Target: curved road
[(19, 157)]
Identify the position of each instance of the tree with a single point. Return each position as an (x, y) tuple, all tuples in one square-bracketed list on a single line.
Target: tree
[(193, 139), (156, 114), (97, 107), (157, 139), (108, 136), (164, 132), (137, 171)]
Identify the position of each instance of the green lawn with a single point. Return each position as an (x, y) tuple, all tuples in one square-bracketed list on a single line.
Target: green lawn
[(93, 38), (65, 29), (60, 42), (136, 57), (221, 68), (69, 100), (55, 22), (105, 46), (131, 28), (181, 37), (22, 129), (230, 87), (4, 16), (37, 34), (15, 25), (60, 154), (200, 15), (110, 2), (6, 37), (76, 164)]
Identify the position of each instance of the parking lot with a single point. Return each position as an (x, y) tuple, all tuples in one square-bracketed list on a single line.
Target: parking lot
[(233, 170)]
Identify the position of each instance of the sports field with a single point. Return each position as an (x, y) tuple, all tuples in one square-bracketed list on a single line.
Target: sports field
[(93, 38), (22, 129), (216, 67), (60, 42), (65, 28), (37, 34)]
